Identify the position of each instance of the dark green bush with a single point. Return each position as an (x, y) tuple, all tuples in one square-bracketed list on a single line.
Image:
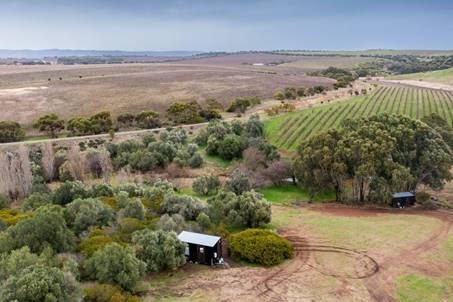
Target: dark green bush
[(10, 132), (261, 247)]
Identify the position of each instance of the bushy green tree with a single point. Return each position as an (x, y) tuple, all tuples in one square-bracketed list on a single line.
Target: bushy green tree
[(125, 120), (254, 127), (238, 183), (36, 200), (79, 126), (186, 206), (206, 185), (231, 147), (11, 132), (40, 283), (160, 250), (47, 228), (84, 213), (134, 209), (184, 113), (116, 264), (174, 223), (102, 121), (148, 120), (69, 191), (50, 123), (380, 155), (246, 210)]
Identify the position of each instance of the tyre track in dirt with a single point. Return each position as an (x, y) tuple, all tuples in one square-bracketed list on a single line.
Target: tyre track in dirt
[(268, 288), (380, 286)]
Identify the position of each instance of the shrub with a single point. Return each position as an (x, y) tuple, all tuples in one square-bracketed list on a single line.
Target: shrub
[(40, 283), (12, 216), (247, 210), (239, 105), (96, 241), (82, 126), (148, 120), (173, 223), (65, 172), (206, 185), (84, 213), (11, 132), (230, 147), (69, 191), (203, 221), (108, 293), (4, 201), (160, 250), (238, 183), (186, 206), (46, 228), (279, 95), (134, 209), (36, 200), (196, 161), (102, 190), (125, 120), (102, 121), (116, 263), (261, 247), (210, 114), (50, 123), (185, 113), (130, 188)]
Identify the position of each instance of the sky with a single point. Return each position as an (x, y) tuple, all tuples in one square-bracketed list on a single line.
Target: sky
[(233, 25)]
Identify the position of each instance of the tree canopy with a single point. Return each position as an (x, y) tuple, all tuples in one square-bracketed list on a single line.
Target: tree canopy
[(380, 154)]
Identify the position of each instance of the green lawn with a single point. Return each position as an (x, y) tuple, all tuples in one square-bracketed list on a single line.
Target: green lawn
[(419, 288), (290, 194)]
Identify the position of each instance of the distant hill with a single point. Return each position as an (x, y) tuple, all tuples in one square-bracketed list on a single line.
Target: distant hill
[(36, 54)]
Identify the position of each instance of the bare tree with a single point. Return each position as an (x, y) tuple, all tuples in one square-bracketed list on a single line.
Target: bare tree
[(16, 177), (48, 160), (77, 162)]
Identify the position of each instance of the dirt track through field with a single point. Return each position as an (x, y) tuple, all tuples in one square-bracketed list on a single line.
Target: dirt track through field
[(322, 270)]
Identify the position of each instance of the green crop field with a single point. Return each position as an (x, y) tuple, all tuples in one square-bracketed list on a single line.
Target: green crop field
[(439, 76), (288, 130)]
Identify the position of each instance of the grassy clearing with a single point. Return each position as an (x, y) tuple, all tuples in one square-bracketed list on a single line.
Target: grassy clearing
[(419, 288), (291, 194), (395, 232), (440, 76), (287, 131)]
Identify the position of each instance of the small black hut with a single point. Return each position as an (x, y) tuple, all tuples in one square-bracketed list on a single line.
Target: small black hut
[(201, 248), (403, 199)]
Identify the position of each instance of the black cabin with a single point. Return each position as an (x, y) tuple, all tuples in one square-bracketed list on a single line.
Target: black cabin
[(201, 248), (403, 199)]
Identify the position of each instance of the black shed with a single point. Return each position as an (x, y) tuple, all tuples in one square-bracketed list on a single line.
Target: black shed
[(403, 199), (201, 248)]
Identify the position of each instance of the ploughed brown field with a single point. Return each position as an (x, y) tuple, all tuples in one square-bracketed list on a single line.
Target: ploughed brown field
[(80, 90)]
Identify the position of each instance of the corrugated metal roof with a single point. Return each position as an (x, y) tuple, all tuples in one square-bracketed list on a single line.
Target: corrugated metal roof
[(197, 238), (403, 194)]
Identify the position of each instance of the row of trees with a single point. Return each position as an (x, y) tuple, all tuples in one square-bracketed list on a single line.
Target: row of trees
[(344, 77), (292, 93), (380, 155)]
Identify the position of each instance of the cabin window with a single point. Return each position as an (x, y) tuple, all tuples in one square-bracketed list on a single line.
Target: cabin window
[(215, 255), (201, 249)]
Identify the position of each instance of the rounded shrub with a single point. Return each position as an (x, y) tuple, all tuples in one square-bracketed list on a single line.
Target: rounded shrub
[(261, 247)]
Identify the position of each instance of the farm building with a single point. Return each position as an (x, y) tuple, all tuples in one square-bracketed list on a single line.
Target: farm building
[(403, 199), (201, 248)]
